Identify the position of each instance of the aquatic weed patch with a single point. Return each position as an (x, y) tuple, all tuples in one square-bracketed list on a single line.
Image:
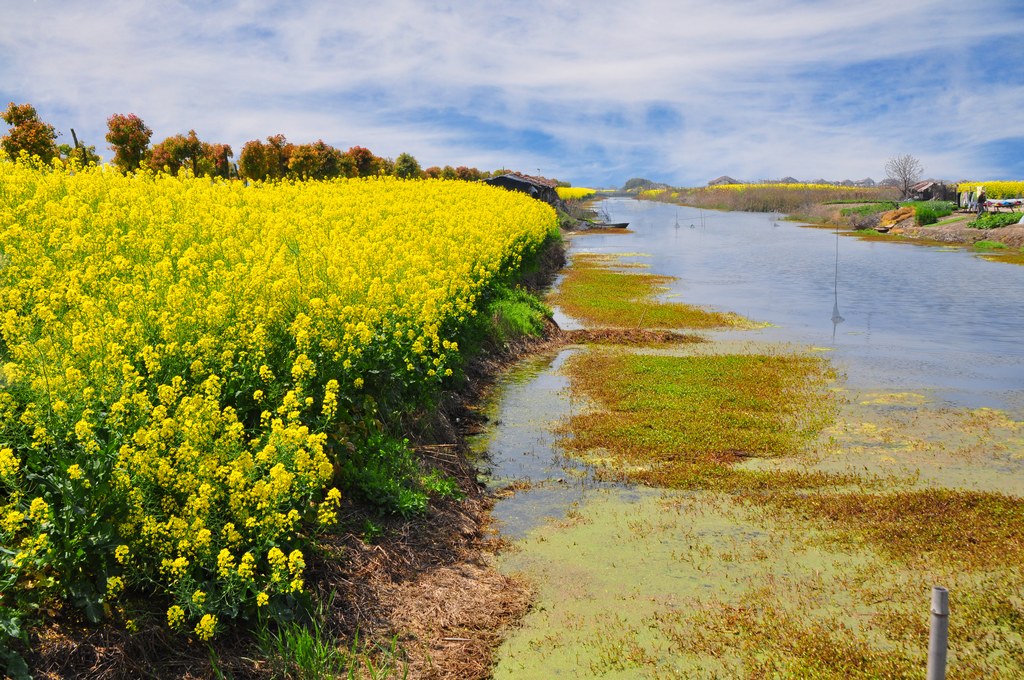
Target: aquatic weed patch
[(680, 421), (972, 529), (766, 638), (597, 289), (971, 542), (1008, 256), (630, 336)]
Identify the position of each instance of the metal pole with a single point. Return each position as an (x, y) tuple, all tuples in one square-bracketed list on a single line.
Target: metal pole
[(939, 639)]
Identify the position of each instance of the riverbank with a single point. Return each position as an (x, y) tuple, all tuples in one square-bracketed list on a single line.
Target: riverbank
[(735, 559)]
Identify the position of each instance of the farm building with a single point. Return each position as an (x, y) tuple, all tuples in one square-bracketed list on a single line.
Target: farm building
[(541, 188), (932, 190)]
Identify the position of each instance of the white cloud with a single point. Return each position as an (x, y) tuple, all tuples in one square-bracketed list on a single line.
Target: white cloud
[(761, 88)]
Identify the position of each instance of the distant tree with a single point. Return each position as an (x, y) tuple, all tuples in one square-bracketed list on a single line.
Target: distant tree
[(129, 139), (905, 171), (467, 174), (433, 172), (219, 156), (78, 153), (316, 161), (188, 151), (365, 163), (637, 183), (407, 167), (252, 161), (447, 172), (28, 133), (279, 152)]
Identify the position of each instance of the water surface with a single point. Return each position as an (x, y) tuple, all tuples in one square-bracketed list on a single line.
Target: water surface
[(927, 318)]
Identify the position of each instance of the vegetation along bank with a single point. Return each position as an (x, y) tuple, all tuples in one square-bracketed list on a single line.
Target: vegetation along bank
[(217, 410)]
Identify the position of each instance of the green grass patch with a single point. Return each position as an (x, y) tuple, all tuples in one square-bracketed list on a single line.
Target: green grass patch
[(681, 421), (868, 208), (872, 235), (596, 290), (516, 313), (990, 245)]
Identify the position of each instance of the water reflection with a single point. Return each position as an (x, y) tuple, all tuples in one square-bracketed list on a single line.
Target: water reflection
[(836, 316)]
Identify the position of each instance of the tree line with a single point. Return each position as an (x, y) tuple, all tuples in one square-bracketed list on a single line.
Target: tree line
[(276, 158)]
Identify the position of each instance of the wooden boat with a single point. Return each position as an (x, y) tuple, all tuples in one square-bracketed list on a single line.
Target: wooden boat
[(618, 225)]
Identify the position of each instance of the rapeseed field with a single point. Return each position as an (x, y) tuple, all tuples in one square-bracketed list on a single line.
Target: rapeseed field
[(186, 364)]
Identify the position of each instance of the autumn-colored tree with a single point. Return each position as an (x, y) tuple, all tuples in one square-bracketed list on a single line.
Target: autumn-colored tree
[(433, 172), (366, 164), (467, 174), (252, 161), (279, 152), (28, 133), (259, 161), (219, 155), (407, 167), (316, 161), (193, 153), (129, 139)]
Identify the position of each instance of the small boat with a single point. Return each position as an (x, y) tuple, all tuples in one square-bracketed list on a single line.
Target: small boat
[(617, 225)]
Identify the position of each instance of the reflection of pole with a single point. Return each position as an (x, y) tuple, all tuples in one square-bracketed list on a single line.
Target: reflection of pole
[(938, 640), (836, 317)]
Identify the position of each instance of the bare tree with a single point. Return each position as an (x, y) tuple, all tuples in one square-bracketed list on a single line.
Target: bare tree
[(905, 171)]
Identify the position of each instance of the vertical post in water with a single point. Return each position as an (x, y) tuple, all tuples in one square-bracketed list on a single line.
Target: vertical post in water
[(938, 641)]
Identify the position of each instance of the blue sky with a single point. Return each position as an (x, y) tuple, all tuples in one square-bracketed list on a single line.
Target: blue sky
[(589, 92)]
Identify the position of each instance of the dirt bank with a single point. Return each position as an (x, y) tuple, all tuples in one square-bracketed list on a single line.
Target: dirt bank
[(955, 230)]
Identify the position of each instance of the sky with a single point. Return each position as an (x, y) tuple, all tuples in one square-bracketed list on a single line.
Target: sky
[(592, 93)]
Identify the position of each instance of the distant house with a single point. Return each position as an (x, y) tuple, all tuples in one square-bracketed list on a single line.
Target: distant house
[(724, 179), (541, 188)]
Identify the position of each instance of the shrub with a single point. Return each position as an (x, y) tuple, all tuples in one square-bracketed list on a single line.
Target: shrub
[(929, 212)]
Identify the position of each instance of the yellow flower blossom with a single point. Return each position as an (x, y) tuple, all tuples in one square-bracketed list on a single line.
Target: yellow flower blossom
[(115, 586), (9, 463), (175, 616), (168, 302), (207, 627)]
